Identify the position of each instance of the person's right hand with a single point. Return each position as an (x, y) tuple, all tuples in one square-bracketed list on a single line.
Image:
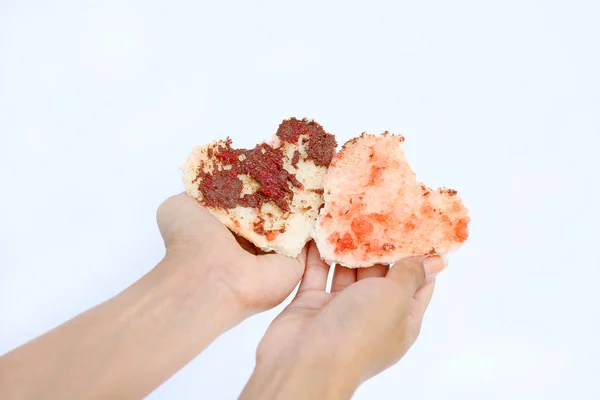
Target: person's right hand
[(323, 345)]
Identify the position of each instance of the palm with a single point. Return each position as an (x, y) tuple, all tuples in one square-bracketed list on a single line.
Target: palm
[(310, 300), (359, 299)]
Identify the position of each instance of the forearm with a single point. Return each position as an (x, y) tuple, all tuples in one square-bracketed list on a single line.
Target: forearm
[(125, 347), (303, 378)]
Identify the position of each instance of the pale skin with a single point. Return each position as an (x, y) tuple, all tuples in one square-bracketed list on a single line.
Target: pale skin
[(323, 345)]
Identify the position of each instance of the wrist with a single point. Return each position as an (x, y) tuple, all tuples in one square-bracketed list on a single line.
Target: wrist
[(302, 375), (190, 289)]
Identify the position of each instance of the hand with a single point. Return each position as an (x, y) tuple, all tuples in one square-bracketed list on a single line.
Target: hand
[(204, 249), (323, 345), (128, 345)]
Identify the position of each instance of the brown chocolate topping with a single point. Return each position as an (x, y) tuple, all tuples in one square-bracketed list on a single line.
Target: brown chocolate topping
[(264, 164), (220, 189), (291, 129), (296, 158), (320, 147)]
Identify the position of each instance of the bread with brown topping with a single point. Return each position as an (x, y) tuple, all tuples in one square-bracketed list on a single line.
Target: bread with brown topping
[(269, 195)]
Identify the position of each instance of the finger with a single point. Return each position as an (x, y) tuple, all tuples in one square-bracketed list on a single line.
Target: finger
[(315, 272), (183, 202), (303, 254), (376, 271), (421, 300), (342, 278), (280, 266), (411, 273), (418, 306), (280, 274), (179, 212)]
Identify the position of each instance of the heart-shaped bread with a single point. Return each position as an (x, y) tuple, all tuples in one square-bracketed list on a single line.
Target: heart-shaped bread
[(271, 194), (377, 212)]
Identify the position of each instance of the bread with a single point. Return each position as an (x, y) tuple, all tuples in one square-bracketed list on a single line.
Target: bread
[(377, 212), (269, 195)]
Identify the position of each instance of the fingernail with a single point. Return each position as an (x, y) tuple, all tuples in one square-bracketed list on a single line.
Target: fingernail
[(434, 265)]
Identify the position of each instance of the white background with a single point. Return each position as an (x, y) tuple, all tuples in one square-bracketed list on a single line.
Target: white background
[(100, 102)]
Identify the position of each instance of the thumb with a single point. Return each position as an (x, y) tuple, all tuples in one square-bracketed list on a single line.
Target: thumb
[(412, 273), (279, 275)]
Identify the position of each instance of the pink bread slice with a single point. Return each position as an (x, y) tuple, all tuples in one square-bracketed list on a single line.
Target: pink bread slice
[(377, 212)]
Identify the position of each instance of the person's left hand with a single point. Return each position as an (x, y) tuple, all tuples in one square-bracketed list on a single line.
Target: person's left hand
[(325, 344), (203, 249)]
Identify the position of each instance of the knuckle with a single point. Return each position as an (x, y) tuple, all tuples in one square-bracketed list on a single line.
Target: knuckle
[(411, 273), (417, 272)]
